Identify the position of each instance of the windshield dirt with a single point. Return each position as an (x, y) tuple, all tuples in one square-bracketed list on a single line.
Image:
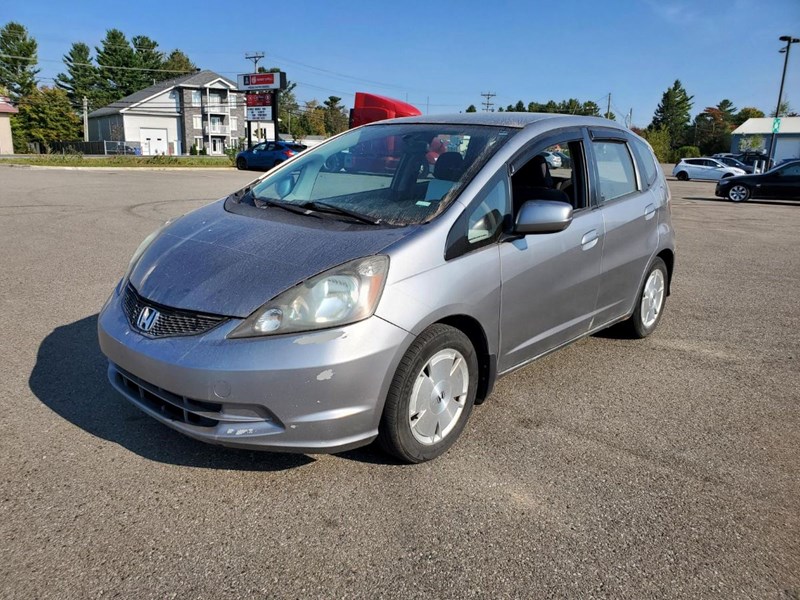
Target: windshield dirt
[(381, 174)]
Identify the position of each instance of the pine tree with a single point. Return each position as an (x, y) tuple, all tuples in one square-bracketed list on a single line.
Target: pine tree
[(81, 77), (177, 63), (17, 60), (672, 113), (335, 116), (116, 63), (149, 60), (471, 108)]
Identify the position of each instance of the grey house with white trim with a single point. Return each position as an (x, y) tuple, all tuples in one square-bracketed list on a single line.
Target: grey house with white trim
[(201, 109), (787, 140)]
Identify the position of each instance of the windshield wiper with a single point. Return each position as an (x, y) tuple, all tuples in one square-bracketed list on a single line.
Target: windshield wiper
[(324, 207), (299, 209)]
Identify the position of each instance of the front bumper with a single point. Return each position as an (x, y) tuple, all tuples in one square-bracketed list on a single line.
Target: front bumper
[(314, 392)]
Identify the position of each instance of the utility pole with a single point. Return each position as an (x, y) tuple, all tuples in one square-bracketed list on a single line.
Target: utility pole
[(789, 41), (487, 104), (255, 57), (428, 105), (85, 119), (608, 110)]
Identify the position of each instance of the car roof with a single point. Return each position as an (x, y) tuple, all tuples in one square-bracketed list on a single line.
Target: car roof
[(516, 120)]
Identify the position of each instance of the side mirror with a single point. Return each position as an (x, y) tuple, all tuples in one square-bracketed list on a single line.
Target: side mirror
[(543, 216)]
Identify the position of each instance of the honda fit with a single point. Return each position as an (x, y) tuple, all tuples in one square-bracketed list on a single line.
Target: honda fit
[(357, 292)]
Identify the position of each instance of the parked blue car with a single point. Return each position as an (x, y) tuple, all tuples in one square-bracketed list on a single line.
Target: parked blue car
[(267, 154)]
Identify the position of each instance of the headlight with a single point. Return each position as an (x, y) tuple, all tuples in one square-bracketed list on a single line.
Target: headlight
[(144, 246), (339, 296)]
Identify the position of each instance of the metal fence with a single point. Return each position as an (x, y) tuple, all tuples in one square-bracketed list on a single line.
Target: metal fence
[(81, 147)]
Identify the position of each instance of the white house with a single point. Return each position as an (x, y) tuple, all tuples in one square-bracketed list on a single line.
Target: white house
[(201, 109)]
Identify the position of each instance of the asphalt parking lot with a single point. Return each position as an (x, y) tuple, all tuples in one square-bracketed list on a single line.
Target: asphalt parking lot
[(663, 468)]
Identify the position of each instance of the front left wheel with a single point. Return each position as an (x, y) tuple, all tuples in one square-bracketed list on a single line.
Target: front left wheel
[(431, 396)]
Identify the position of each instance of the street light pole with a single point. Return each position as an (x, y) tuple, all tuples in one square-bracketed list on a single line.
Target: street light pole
[(789, 41)]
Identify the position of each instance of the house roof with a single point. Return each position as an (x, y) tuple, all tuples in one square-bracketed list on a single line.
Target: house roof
[(764, 126), (5, 106), (197, 79)]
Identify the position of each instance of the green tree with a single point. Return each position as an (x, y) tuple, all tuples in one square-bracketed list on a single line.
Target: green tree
[(471, 108), (784, 110), (176, 63), (149, 61), (81, 77), (116, 67), (520, 107), (672, 113), (660, 142), (748, 112), (45, 115), (335, 116), (18, 59)]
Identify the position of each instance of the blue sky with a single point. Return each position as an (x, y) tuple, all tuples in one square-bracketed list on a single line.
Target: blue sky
[(440, 55)]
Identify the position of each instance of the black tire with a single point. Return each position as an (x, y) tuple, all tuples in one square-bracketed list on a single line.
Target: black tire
[(635, 326), (394, 432), (738, 192), (241, 163), (683, 176)]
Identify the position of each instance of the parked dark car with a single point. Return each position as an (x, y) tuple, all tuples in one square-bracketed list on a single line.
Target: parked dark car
[(732, 162), (267, 154), (751, 158), (782, 183)]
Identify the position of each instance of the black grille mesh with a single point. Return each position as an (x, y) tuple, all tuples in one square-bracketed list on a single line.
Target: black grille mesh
[(170, 321)]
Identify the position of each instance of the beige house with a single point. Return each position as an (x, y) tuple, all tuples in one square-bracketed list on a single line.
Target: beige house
[(6, 141)]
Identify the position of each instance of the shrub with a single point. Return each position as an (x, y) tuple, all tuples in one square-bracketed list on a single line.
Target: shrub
[(203, 152), (193, 150), (687, 152)]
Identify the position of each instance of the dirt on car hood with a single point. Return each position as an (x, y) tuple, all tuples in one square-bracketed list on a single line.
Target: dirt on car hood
[(213, 261)]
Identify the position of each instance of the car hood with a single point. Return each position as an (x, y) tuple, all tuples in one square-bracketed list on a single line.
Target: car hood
[(217, 262)]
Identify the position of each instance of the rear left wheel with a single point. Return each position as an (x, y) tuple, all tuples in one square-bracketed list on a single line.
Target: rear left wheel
[(431, 396), (650, 302), (683, 176)]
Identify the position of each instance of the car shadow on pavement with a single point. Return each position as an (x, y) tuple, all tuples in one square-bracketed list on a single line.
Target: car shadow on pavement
[(70, 378), (776, 202)]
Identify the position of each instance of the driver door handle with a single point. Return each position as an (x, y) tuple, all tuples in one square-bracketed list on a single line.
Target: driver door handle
[(589, 240)]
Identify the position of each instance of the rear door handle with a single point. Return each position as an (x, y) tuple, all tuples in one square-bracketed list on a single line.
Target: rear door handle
[(589, 239), (649, 211)]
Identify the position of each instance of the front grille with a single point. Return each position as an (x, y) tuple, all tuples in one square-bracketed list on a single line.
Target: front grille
[(171, 406), (167, 322)]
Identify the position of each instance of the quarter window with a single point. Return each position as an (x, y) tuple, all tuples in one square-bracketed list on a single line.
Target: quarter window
[(615, 170), (646, 162)]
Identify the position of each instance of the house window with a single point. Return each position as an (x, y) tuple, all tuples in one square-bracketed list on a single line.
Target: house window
[(197, 121), (234, 123), (231, 100), (198, 142), (196, 98)]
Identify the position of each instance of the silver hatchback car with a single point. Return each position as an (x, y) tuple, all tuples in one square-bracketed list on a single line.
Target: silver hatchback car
[(354, 293)]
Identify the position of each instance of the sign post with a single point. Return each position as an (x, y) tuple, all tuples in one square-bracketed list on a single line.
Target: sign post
[(261, 94)]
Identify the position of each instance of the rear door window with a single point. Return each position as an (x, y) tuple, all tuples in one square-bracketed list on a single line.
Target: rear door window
[(616, 175)]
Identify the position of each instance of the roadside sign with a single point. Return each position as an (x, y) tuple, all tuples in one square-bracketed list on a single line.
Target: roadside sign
[(259, 106), (776, 125), (261, 81)]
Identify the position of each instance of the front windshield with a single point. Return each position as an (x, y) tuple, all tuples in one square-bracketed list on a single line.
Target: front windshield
[(394, 174)]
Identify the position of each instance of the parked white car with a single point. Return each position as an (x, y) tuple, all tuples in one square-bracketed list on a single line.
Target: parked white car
[(554, 160), (704, 168)]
